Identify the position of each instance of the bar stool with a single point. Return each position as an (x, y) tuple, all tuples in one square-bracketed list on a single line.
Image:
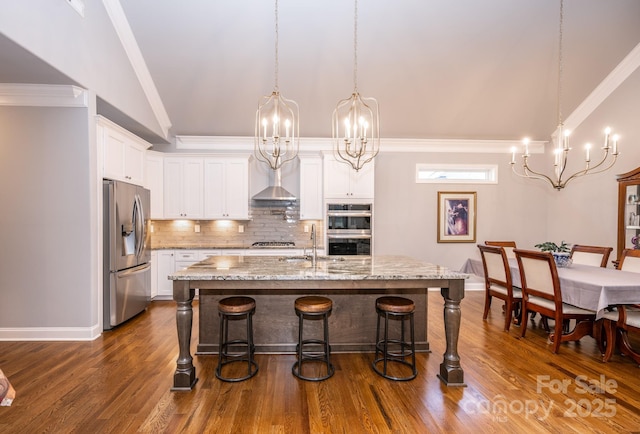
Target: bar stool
[(313, 307), (395, 350), (236, 308)]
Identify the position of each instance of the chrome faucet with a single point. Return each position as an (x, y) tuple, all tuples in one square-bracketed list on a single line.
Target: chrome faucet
[(314, 245)]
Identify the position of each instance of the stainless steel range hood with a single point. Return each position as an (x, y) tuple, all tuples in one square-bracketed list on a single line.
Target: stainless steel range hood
[(275, 192)]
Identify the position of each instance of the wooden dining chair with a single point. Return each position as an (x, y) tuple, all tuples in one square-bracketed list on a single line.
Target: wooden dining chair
[(630, 260), (498, 283), (507, 245), (617, 324), (596, 256), (541, 292)]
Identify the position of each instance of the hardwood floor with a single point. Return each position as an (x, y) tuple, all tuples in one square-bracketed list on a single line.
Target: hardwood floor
[(120, 383)]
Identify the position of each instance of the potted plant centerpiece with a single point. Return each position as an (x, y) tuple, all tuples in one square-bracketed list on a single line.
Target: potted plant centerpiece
[(560, 252)]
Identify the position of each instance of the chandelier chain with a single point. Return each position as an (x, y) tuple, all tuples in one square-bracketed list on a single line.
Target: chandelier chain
[(276, 51), (560, 59), (355, 47)]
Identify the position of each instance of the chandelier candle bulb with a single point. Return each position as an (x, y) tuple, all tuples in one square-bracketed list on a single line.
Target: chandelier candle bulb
[(587, 147), (607, 131), (615, 144)]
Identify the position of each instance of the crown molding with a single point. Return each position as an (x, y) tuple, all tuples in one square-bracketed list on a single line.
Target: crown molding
[(131, 48), (42, 95), (245, 143), (611, 82)]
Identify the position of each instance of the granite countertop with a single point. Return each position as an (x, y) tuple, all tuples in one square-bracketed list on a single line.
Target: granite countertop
[(326, 268), (197, 247)]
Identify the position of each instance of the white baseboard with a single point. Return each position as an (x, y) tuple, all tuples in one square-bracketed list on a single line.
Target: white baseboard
[(50, 333)]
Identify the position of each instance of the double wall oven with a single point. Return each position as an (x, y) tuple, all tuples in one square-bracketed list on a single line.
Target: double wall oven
[(349, 228)]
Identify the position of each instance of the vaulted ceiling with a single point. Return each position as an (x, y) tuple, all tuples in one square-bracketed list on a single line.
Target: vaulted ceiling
[(440, 69), (463, 69)]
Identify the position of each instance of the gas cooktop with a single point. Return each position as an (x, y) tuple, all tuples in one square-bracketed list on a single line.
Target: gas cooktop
[(273, 244)]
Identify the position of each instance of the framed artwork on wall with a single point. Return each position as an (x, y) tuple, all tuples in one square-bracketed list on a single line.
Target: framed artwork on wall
[(456, 217)]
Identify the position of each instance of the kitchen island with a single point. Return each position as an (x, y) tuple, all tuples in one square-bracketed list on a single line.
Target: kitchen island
[(353, 283)]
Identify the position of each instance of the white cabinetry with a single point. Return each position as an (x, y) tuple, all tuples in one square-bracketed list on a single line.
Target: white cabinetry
[(341, 181), (183, 187), (154, 274), (226, 188), (123, 153), (185, 258), (311, 188), (165, 265), (154, 182)]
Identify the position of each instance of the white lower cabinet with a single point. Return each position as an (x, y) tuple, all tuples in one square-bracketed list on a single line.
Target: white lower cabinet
[(165, 265)]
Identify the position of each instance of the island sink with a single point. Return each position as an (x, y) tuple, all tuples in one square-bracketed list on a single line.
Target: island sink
[(305, 258)]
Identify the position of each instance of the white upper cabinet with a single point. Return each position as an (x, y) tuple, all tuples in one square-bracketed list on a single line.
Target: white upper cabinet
[(341, 181), (154, 173), (123, 153), (226, 188), (183, 187), (311, 188)]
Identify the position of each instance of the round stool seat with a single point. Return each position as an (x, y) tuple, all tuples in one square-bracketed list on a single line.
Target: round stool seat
[(312, 350), (313, 304), (241, 349), (395, 304), (395, 353), (236, 304)]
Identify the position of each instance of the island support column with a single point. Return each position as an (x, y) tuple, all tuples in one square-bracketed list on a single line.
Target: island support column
[(451, 372), (184, 377)]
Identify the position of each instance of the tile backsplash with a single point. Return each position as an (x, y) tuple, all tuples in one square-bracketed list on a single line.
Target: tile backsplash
[(272, 222)]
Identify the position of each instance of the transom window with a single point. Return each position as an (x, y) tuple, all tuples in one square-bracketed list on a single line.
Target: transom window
[(457, 173)]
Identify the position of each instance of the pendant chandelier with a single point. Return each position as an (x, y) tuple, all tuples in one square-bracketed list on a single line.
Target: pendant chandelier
[(277, 134), (561, 146), (355, 120)]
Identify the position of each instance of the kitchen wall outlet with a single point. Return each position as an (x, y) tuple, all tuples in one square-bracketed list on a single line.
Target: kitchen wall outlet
[(241, 229), (196, 228), (306, 228)]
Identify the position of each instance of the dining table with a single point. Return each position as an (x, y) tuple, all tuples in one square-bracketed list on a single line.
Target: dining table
[(584, 286)]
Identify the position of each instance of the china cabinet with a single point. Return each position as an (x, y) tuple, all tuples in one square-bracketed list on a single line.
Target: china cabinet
[(628, 211)]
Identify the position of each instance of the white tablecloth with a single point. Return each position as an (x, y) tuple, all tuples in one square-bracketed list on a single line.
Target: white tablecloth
[(584, 286)]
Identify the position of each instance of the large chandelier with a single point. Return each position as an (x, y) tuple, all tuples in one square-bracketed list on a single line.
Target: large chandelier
[(355, 120), (277, 134), (561, 146)]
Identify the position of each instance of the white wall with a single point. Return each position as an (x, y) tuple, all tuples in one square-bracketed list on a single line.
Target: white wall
[(586, 211), (46, 270), (405, 220), (86, 49)]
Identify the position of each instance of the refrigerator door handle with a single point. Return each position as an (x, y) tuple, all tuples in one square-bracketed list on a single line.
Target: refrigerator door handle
[(138, 221), (133, 271)]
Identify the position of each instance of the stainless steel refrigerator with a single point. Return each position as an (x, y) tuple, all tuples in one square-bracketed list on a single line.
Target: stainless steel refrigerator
[(127, 266)]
